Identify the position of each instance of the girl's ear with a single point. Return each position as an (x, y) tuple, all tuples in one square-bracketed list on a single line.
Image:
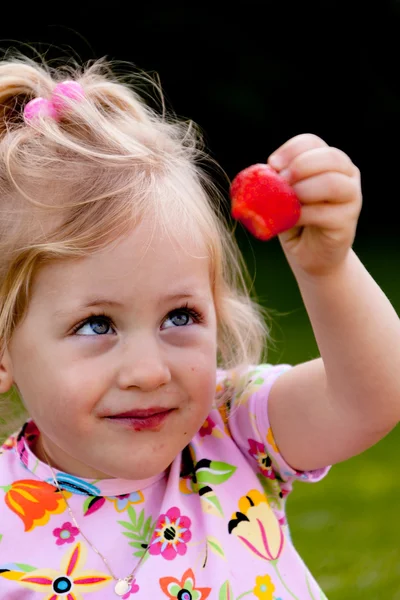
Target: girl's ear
[(6, 377)]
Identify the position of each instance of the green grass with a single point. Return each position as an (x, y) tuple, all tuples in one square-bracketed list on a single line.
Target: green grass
[(345, 527)]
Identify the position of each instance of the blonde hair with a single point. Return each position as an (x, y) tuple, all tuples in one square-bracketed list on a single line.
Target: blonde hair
[(71, 186)]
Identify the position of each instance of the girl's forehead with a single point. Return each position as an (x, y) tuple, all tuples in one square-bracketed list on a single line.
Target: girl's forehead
[(152, 245), (143, 260)]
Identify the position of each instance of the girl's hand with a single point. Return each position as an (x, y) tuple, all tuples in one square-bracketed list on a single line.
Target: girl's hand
[(327, 184)]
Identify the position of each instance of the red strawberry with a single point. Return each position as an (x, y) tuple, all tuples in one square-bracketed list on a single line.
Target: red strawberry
[(264, 202)]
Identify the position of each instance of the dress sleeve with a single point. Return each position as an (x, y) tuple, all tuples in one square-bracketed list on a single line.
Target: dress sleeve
[(248, 423)]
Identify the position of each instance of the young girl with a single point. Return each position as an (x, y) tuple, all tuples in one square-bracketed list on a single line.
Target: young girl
[(159, 451)]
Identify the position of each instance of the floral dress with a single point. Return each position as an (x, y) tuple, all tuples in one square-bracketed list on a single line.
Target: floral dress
[(212, 526)]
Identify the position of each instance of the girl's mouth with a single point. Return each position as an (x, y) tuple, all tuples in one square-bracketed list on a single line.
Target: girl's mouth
[(150, 419)]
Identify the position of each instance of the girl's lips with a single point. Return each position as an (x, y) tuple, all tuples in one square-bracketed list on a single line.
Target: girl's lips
[(138, 420), (141, 413)]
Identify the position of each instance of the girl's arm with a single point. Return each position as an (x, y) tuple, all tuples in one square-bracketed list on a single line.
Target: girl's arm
[(329, 409)]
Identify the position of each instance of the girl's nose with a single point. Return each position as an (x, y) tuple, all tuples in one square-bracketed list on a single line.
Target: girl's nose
[(143, 366)]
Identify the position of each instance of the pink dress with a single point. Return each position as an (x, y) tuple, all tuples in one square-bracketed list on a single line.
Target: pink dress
[(212, 526)]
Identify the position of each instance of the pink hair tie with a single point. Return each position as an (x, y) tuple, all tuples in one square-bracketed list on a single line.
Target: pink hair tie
[(70, 90), (53, 108), (39, 107)]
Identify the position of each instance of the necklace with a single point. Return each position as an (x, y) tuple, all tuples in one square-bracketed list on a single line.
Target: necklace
[(122, 586)]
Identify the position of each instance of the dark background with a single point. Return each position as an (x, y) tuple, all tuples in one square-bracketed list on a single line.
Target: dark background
[(254, 74)]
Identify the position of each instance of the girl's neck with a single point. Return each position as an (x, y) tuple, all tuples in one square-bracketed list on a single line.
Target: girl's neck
[(47, 453)]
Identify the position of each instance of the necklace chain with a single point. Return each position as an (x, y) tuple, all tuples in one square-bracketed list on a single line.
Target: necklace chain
[(120, 582)]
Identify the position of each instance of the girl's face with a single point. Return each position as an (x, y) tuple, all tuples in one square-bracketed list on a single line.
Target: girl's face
[(116, 358)]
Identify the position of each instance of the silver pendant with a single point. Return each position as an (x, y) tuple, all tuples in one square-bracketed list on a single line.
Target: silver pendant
[(122, 587)]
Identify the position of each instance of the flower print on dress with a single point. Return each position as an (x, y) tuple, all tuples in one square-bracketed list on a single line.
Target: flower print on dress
[(76, 485), (139, 530), (257, 527), (122, 502), (70, 582), (195, 477), (185, 589), (258, 451), (274, 492), (264, 588), (171, 534), (14, 571), (26, 437), (187, 479), (34, 501), (92, 504), (65, 534), (209, 427), (271, 441)]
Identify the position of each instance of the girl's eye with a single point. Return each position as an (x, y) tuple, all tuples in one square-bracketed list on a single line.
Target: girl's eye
[(181, 317), (96, 325)]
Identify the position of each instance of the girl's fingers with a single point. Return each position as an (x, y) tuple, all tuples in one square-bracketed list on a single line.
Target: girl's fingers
[(284, 155), (318, 160), (329, 187), (328, 217)]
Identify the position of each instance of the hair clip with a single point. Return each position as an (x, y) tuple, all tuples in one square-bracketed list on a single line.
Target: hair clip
[(53, 108)]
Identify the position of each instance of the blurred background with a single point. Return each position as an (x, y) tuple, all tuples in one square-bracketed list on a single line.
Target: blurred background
[(253, 75)]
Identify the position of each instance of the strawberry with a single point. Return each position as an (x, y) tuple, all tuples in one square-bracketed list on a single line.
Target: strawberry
[(264, 202)]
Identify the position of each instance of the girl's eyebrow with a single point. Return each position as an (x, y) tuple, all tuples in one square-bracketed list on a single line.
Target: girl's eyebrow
[(185, 295), (98, 301), (88, 304)]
